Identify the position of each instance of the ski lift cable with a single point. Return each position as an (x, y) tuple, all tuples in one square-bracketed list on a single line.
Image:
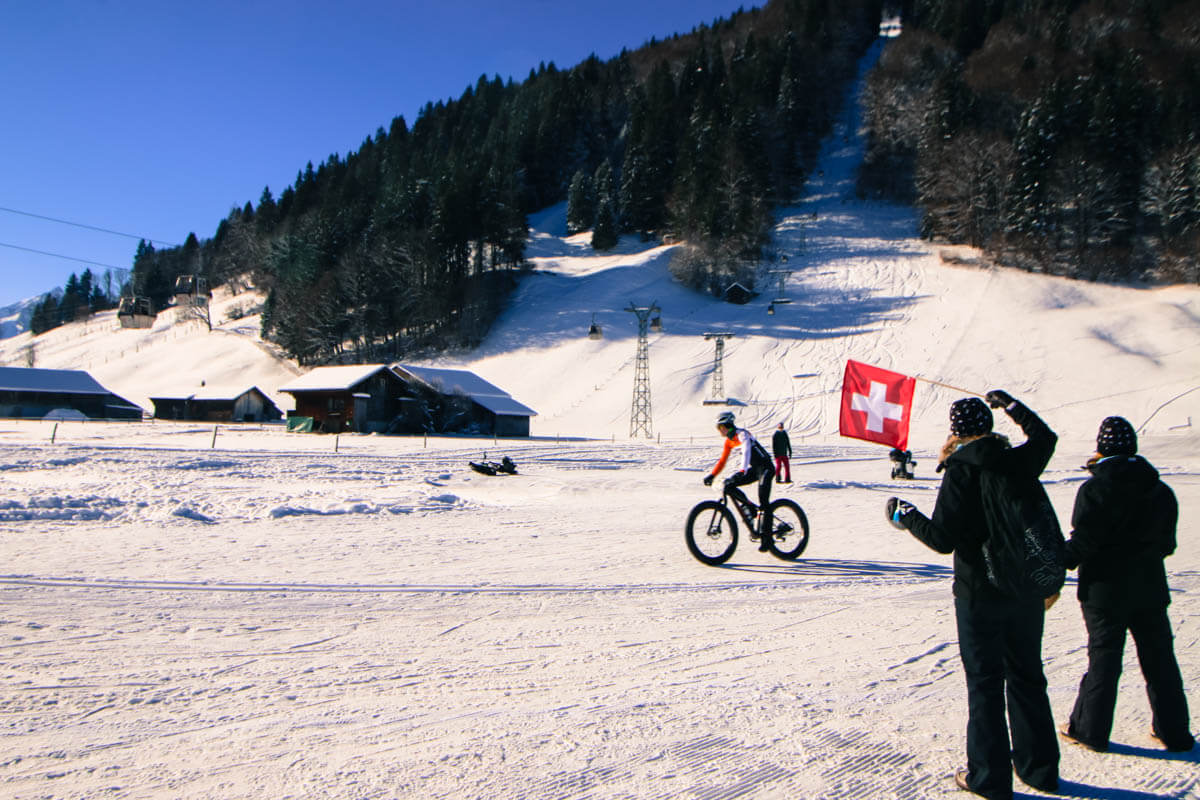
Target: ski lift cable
[(59, 255), (88, 227)]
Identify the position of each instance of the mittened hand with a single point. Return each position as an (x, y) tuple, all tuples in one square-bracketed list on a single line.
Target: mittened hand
[(708, 479), (998, 398), (898, 511)]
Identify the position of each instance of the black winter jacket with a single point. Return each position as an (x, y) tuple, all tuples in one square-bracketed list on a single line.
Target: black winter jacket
[(1123, 527), (959, 524), (781, 445)]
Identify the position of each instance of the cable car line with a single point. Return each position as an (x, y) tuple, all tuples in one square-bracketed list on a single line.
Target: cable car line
[(59, 255), (88, 227)]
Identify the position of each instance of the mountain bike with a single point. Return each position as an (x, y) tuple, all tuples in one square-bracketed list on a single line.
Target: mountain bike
[(711, 531)]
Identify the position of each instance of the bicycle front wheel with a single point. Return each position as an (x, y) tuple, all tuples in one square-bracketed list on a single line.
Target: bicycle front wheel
[(789, 529), (711, 532)]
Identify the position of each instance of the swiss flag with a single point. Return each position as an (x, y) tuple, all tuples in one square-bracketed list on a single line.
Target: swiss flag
[(876, 404)]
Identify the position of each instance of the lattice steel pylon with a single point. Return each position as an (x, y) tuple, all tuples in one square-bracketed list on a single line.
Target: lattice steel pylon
[(718, 381), (639, 415)]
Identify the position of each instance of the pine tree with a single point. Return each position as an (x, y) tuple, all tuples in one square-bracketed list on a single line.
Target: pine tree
[(606, 189), (604, 235), (268, 211), (581, 203)]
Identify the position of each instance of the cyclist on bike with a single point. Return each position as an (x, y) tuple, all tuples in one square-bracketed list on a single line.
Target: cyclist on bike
[(756, 466)]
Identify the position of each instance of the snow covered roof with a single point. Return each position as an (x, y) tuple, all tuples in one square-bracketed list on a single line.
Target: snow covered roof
[(328, 379), (461, 381), (503, 404), (213, 393), (33, 379)]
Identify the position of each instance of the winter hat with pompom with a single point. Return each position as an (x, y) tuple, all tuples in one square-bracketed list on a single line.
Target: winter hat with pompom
[(1116, 438), (970, 417)]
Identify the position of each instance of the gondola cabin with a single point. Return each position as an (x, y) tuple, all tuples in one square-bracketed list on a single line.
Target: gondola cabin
[(135, 312), (191, 290)]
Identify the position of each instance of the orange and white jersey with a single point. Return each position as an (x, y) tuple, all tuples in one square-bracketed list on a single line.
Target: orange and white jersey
[(745, 440)]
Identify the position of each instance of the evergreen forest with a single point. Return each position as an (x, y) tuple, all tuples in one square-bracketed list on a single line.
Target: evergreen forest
[(415, 241), (82, 295), (1059, 136)]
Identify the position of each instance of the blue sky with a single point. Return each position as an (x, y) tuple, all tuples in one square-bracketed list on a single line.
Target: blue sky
[(155, 118)]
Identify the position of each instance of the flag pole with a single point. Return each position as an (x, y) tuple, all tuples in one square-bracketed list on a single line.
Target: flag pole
[(948, 386)]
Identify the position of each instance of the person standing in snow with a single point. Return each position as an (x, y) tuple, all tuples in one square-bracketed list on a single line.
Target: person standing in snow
[(1123, 526), (781, 448), (999, 637), (756, 466)]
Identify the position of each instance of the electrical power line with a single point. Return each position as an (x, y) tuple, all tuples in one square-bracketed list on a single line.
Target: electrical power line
[(58, 255), (88, 227)]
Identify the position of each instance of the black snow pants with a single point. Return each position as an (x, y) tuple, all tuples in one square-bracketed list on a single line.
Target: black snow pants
[(1000, 643), (763, 474), (1092, 718)]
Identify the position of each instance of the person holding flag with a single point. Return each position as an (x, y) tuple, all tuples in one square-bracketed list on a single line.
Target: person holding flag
[(999, 636)]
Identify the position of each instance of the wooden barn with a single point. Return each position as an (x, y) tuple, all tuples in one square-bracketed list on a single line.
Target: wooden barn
[(366, 398), (33, 393), (459, 401), (218, 405)]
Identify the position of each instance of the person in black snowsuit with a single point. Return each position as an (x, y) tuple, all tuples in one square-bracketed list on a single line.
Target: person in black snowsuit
[(901, 463), (781, 448), (999, 637), (1123, 526)]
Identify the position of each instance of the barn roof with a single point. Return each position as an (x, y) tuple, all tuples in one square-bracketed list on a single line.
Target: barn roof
[(212, 394), (64, 381), (331, 379), (461, 381)]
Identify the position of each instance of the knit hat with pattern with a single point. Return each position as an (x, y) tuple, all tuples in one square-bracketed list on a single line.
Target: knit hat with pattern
[(1116, 437), (970, 417)]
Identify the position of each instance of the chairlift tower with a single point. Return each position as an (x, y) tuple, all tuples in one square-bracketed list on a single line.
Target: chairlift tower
[(639, 416), (718, 381)]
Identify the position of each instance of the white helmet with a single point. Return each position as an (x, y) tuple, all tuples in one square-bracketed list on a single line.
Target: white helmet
[(726, 418)]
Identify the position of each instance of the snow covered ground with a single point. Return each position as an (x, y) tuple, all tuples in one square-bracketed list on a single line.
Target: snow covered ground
[(240, 612)]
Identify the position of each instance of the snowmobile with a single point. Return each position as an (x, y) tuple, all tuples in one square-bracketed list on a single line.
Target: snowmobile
[(504, 466)]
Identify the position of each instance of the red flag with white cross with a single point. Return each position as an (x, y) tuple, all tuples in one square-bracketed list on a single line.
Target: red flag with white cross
[(876, 404)]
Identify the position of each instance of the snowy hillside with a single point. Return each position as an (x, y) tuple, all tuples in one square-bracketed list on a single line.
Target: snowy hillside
[(862, 286), (176, 356), (248, 613)]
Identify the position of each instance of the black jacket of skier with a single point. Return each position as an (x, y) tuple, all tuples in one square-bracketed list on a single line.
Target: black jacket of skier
[(1123, 526), (959, 524), (781, 445)]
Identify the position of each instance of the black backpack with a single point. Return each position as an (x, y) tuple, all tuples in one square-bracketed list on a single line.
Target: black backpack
[(1025, 550)]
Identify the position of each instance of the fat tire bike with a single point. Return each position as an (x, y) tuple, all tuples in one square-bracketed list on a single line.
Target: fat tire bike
[(711, 531)]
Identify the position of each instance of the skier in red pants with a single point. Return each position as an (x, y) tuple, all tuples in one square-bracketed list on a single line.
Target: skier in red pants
[(781, 447)]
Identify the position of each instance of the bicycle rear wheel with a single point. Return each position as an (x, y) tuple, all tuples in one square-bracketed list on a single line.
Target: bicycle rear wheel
[(711, 532), (789, 528)]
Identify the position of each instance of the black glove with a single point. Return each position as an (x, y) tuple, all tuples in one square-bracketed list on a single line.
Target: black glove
[(737, 477), (898, 511), (998, 398), (708, 479)]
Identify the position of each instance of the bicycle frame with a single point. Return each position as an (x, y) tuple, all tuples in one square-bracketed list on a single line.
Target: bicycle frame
[(745, 507)]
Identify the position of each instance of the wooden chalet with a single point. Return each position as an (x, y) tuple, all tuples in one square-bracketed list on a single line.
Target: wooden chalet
[(459, 401), (218, 405), (366, 398)]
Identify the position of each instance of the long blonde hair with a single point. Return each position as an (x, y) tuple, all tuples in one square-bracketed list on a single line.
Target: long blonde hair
[(954, 442)]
